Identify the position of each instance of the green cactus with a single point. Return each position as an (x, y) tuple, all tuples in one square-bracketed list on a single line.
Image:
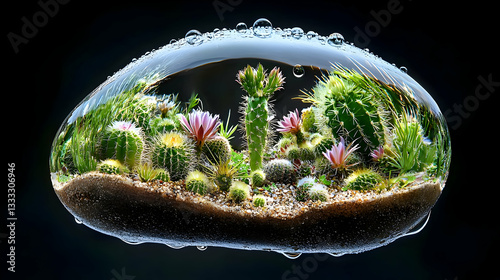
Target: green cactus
[(217, 150), (174, 152), (148, 173), (309, 120), (122, 141), (303, 186), (239, 191), (258, 178), (197, 182), (256, 114), (112, 166), (259, 200), (363, 179), (352, 109), (280, 171), (318, 192)]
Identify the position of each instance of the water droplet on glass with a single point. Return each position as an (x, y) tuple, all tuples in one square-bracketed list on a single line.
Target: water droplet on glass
[(201, 248), (193, 37), (336, 254), (335, 39), (78, 221), (175, 246), (297, 32), (241, 27), (311, 34), (298, 71), (403, 69), (262, 28), (292, 256), (131, 242)]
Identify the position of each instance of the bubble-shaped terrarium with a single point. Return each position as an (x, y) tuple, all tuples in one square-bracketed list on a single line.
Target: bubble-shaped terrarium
[(337, 151)]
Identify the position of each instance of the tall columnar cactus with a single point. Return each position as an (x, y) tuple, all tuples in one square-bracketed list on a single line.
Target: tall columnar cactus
[(256, 114), (174, 152), (122, 141), (352, 109)]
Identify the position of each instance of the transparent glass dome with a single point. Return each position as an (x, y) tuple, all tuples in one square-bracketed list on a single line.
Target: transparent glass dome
[(255, 138)]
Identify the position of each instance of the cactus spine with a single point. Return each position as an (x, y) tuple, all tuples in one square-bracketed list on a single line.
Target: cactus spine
[(280, 171), (122, 141), (256, 114)]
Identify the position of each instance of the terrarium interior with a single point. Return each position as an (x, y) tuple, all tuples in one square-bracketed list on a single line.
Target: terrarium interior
[(271, 126)]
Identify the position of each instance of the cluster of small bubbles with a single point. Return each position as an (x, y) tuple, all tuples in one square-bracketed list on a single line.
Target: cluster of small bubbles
[(297, 32), (194, 37), (298, 71), (262, 28), (335, 39)]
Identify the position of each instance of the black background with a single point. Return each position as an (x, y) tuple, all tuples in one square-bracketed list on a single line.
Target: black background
[(446, 47)]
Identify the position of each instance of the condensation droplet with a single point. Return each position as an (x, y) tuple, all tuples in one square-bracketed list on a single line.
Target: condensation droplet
[(241, 27), (175, 246), (403, 69), (193, 37), (335, 39), (298, 71), (131, 242), (78, 221), (297, 32), (201, 248), (311, 34), (336, 254), (292, 256), (262, 28)]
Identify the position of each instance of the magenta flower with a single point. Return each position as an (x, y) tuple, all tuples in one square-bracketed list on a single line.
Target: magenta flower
[(290, 123), (125, 126), (201, 126), (378, 153), (339, 154)]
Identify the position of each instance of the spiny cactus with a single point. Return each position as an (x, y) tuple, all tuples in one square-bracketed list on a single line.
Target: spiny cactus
[(309, 120), (148, 173), (174, 152), (363, 179), (303, 186), (259, 200), (280, 171), (256, 114), (197, 182), (122, 141), (351, 109), (318, 192), (222, 174), (258, 178), (112, 166), (217, 150), (239, 191)]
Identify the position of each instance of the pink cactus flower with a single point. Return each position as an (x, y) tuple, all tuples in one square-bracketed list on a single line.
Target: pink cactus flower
[(378, 153), (125, 126), (339, 154), (290, 123), (201, 126)]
